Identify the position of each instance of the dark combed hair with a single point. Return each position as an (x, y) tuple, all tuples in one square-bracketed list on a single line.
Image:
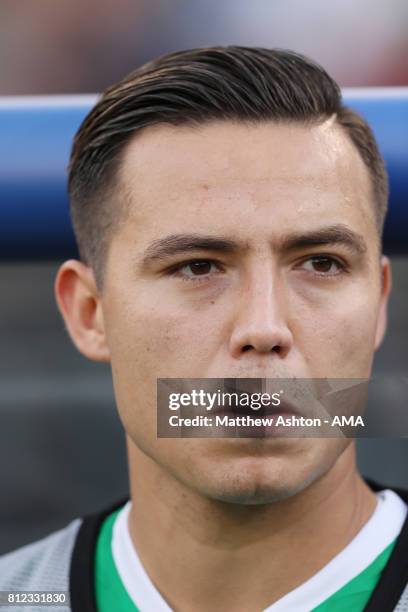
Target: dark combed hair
[(196, 86)]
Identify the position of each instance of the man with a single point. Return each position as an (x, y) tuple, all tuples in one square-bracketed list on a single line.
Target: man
[(229, 212)]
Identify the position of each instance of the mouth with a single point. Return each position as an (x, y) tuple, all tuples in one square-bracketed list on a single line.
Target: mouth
[(234, 409)]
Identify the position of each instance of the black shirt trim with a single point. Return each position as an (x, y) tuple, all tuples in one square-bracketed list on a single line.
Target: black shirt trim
[(82, 569), (394, 577)]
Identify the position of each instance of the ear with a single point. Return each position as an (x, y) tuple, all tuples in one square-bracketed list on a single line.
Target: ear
[(386, 284), (81, 307)]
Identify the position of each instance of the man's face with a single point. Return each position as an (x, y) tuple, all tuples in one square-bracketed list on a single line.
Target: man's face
[(267, 304)]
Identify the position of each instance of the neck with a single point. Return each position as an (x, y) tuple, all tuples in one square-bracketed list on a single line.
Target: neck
[(196, 550)]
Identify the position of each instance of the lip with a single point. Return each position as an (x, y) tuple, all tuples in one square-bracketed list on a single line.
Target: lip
[(284, 408), (265, 430)]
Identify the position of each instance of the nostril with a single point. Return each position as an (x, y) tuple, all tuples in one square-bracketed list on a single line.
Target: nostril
[(274, 349)]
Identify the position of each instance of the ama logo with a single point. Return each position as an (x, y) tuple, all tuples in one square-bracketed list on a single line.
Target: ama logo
[(343, 421)]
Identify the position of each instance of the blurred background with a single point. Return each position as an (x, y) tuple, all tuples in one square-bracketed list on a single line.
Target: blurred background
[(61, 444)]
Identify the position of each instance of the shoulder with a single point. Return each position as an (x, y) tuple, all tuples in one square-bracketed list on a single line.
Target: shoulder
[(42, 565), (50, 563)]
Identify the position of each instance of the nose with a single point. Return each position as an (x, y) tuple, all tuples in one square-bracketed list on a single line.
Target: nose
[(260, 319)]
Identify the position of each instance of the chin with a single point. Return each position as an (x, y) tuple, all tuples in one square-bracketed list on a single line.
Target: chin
[(256, 494), (249, 497), (257, 482)]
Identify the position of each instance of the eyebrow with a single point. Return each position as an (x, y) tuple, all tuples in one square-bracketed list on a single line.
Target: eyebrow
[(331, 235), (183, 243), (175, 244)]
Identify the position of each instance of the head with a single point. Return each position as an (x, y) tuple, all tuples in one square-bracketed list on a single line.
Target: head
[(228, 211)]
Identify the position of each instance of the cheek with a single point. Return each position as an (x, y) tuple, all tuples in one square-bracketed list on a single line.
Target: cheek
[(339, 338), (150, 340)]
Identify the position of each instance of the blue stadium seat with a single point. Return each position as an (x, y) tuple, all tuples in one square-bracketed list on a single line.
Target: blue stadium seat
[(36, 135)]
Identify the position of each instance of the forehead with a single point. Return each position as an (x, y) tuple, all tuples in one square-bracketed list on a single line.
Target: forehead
[(176, 174)]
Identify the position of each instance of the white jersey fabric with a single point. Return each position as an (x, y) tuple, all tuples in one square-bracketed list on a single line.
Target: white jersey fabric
[(380, 530)]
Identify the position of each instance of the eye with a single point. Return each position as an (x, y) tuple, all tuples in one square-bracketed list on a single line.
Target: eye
[(324, 265), (194, 269)]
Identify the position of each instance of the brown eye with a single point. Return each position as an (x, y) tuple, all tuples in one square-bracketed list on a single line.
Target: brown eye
[(199, 267), (195, 269), (322, 264)]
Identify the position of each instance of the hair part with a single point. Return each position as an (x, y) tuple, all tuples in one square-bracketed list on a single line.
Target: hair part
[(195, 87)]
